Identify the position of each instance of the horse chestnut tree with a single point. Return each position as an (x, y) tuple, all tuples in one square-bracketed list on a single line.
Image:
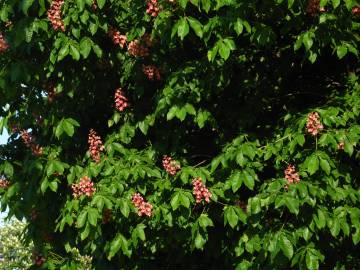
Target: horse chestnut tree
[(224, 134)]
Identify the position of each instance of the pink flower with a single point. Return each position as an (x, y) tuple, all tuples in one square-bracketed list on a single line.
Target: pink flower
[(121, 102), (291, 175), (152, 73), (4, 184), (200, 191), (341, 146), (153, 8), (135, 48), (117, 38), (95, 145), (3, 44), (313, 124), (54, 15), (170, 165), (29, 141), (84, 187), (144, 208)]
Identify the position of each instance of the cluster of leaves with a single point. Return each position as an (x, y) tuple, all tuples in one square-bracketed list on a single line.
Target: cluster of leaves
[(270, 64)]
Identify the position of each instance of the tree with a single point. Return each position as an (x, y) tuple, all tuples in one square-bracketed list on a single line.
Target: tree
[(183, 134), (14, 254)]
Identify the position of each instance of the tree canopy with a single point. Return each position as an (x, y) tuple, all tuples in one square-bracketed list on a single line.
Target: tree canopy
[(164, 134)]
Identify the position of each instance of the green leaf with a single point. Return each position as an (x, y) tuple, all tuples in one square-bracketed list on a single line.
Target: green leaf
[(311, 261), (101, 3), (325, 166), (85, 47), (292, 204), (335, 227), (196, 26), (80, 4), (44, 185), (53, 186), (236, 181), (124, 207), (25, 5), (85, 233), (175, 201), (184, 200), (313, 164), (183, 28), (248, 180), (8, 169), (231, 216), (205, 221), (119, 242), (199, 241), (224, 50), (238, 27), (286, 246), (64, 51), (341, 51), (80, 222), (335, 3), (93, 216), (74, 52)]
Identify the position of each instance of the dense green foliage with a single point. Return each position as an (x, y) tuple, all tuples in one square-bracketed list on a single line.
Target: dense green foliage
[(237, 81), (14, 253)]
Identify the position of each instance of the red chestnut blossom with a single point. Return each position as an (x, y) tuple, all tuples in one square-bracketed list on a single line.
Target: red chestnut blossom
[(356, 11), (29, 141), (144, 208), (106, 216), (242, 205), (200, 191), (170, 165), (117, 38), (291, 175), (341, 146), (153, 8), (33, 215), (152, 73), (3, 44), (84, 187), (121, 102), (4, 183), (94, 5), (54, 15), (135, 48), (313, 7), (148, 41), (38, 258), (95, 145), (313, 124)]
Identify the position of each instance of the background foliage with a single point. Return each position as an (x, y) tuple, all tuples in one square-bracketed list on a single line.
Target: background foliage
[(237, 81), (14, 253)]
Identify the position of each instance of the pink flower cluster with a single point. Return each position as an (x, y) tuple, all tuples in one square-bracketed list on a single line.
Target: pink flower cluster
[(356, 11), (313, 124), (38, 258), (152, 73), (54, 15), (291, 175), (144, 208), (121, 102), (95, 145), (106, 216), (153, 8), (30, 143), (3, 44), (94, 5), (84, 187), (170, 165), (4, 183), (117, 38), (341, 146), (135, 48), (200, 191)]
